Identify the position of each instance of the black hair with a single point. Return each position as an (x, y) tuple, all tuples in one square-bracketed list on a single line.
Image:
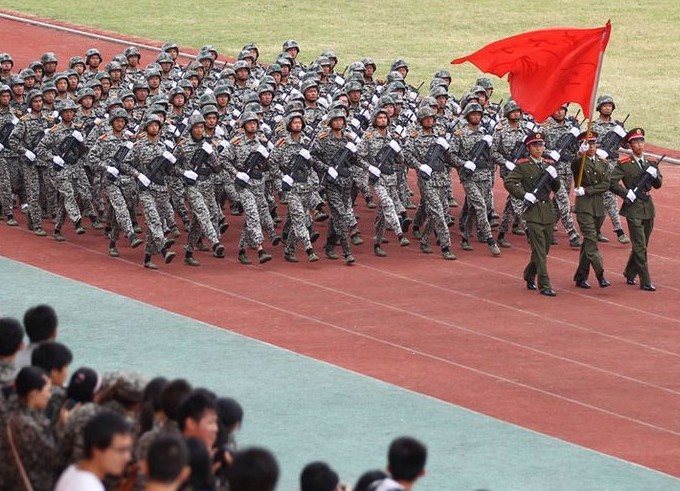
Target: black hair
[(100, 430), (254, 469), (11, 336), (30, 379), (406, 458), (167, 457), (202, 476), (40, 323), (51, 355), (318, 476), (83, 385), (368, 478), (152, 402), (229, 411), (194, 407), (172, 397)]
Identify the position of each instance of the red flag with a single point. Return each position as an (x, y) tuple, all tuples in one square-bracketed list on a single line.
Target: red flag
[(548, 67)]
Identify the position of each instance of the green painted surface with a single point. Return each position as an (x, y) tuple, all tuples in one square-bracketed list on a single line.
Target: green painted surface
[(307, 410)]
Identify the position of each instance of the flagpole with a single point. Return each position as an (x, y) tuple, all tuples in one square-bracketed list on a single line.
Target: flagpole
[(592, 110)]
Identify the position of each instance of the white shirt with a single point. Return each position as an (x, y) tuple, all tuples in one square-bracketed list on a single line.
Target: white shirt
[(74, 479)]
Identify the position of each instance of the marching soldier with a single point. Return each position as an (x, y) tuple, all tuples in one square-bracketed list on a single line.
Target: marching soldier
[(8, 121), (639, 176)]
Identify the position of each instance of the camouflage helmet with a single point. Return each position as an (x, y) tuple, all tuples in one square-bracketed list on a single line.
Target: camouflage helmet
[(128, 387), (119, 112), (151, 72), (210, 49), (336, 113), (189, 73), (112, 66), (484, 82), (95, 82), (294, 106), (510, 106), (253, 107), (121, 60), (290, 44), (245, 54), (273, 68), (113, 101), (429, 101), (4, 88), (396, 85), (292, 116), (386, 100), (443, 74), (357, 66), (124, 94), (85, 92), (32, 94), (157, 109), (352, 86), (605, 99), (394, 76), (250, 97), (102, 75), (76, 60), (425, 112), (397, 98), (34, 65), (15, 80), (323, 61), (222, 89), (472, 107), (196, 118), (248, 116), (151, 118), (140, 85), (164, 57), (169, 45), (207, 99), (240, 64), (205, 55), (308, 84), (66, 105), (252, 47), (48, 57), (185, 84), (340, 105), (47, 86), (282, 61), (369, 62), (209, 109), (439, 82), (132, 51), (160, 99), (60, 76), (376, 112), (264, 88), (268, 80), (6, 57), (398, 63), (330, 54), (92, 52), (177, 90), (71, 73), (478, 89), (439, 91)]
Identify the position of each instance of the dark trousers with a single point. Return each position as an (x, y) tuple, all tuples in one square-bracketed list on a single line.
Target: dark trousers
[(640, 230), (539, 236)]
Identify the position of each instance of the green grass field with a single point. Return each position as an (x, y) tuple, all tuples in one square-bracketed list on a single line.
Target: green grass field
[(640, 67)]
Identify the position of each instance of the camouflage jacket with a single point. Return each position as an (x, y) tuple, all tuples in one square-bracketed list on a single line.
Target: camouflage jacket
[(103, 154), (602, 127), (508, 144), (146, 157), (191, 156), (324, 149), (416, 150), (8, 372), (368, 150), (463, 143), (240, 147), (283, 160), (554, 135), (71, 445), (57, 142), (7, 117), (27, 134)]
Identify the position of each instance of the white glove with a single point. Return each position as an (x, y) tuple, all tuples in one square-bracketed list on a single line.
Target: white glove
[(31, 156), (288, 180), (425, 169), (266, 128), (128, 145), (2, 147), (173, 129), (242, 176), (224, 144), (351, 147), (374, 170), (583, 148), (189, 174), (112, 170), (208, 91), (552, 171), (555, 155), (509, 165), (262, 151), (169, 144), (78, 136), (395, 146), (339, 80), (652, 171), (470, 165), (332, 172), (144, 180), (355, 123), (58, 160), (574, 131), (631, 196), (219, 131), (488, 139), (530, 198), (236, 113), (601, 153), (579, 191), (129, 133), (207, 148), (169, 157), (531, 126), (304, 153), (442, 143), (619, 131)]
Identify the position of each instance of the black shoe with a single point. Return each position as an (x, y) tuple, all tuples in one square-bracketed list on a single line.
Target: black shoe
[(630, 281), (583, 284), (531, 285), (549, 292), (648, 288), (603, 282)]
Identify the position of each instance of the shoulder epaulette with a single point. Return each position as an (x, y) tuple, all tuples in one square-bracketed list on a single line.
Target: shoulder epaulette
[(523, 160), (141, 135), (280, 142), (625, 159), (548, 160)]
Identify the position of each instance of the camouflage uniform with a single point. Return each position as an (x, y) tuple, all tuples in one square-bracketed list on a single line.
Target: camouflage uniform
[(602, 127), (71, 445), (8, 372), (7, 161)]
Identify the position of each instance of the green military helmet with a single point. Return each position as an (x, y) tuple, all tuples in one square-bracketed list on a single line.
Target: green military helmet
[(294, 106), (439, 82), (467, 98), (338, 94), (72, 73), (94, 82), (76, 60), (209, 109), (324, 61), (357, 66), (352, 86), (164, 57), (140, 85), (60, 76), (282, 61), (151, 72), (330, 54), (473, 107), (117, 113), (394, 77), (248, 116), (196, 118), (510, 106), (273, 68), (478, 89), (264, 88), (48, 57), (185, 84), (397, 98), (35, 65), (308, 84), (425, 112), (177, 90), (6, 57), (246, 54), (484, 82), (169, 45), (292, 116), (429, 101), (157, 109), (15, 80), (290, 44), (250, 97), (337, 113), (151, 118), (32, 94), (132, 51), (102, 75), (239, 65), (341, 106), (357, 77), (210, 49), (439, 91), (47, 86), (314, 70), (66, 105), (605, 99), (121, 60), (369, 62), (124, 94), (443, 74), (5, 88), (160, 99), (252, 47), (92, 52), (253, 107), (222, 89), (113, 101), (268, 80), (207, 99), (204, 55), (386, 100), (376, 112), (396, 85), (112, 66), (85, 92), (398, 63), (296, 95)]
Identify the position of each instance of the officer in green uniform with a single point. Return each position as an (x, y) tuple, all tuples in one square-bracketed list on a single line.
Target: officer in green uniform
[(639, 176), (589, 207), (532, 180)]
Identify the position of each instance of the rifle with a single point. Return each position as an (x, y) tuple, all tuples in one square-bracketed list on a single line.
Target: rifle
[(119, 156), (254, 164), (298, 165), (643, 184), (70, 150), (384, 160), (479, 155), (199, 163), (541, 188), (574, 118), (361, 122), (7, 130), (611, 141), (160, 163), (567, 141), (341, 161), (34, 143)]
